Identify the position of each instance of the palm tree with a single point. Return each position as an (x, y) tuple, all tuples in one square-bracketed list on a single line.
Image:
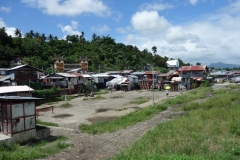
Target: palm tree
[(50, 37), (18, 33), (31, 33), (43, 37), (154, 49)]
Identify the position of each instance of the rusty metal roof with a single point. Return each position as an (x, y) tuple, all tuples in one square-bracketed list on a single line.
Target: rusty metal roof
[(192, 68), (151, 72)]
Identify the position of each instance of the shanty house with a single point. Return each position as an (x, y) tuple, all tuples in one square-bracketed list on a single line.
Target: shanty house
[(24, 91), (62, 80), (18, 119), (193, 72)]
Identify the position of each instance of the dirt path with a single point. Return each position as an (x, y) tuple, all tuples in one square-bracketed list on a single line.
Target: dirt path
[(107, 145)]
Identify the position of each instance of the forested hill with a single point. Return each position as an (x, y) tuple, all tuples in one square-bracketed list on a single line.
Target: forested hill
[(38, 50)]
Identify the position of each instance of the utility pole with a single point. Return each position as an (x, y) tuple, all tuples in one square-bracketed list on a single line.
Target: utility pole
[(99, 67), (153, 85)]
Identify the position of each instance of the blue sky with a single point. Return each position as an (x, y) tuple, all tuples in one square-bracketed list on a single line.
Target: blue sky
[(205, 31)]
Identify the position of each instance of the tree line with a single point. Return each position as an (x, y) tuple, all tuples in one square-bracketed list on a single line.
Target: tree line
[(38, 50)]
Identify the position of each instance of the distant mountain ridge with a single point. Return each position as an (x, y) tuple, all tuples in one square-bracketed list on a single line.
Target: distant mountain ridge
[(223, 65)]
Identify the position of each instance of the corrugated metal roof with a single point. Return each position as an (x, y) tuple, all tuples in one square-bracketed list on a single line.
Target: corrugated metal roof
[(86, 76), (116, 76), (101, 75), (10, 89), (151, 72), (192, 68), (112, 72), (26, 65), (164, 75), (18, 98), (126, 71), (137, 73), (173, 63), (67, 75)]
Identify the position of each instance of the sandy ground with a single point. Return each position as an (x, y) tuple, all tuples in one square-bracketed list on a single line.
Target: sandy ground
[(112, 105), (89, 110)]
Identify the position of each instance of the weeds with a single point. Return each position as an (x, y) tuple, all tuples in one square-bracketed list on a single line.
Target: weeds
[(140, 100), (14, 151), (38, 121), (65, 105)]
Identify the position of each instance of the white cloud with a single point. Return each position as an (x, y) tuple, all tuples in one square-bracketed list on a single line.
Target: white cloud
[(193, 2), (124, 30), (101, 28), (2, 23), (155, 6), (74, 24), (70, 29), (149, 22), (210, 38), (9, 30), (5, 9), (117, 17), (69, 7)]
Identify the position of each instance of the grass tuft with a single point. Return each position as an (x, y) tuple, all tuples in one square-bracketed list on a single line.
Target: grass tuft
[(38, 121)]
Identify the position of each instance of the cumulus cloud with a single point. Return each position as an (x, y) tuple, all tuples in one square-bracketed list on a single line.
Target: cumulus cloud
[(101, 28), (70, 29), (5, 9), (9, 30), (210, 38), (69, 7), (149, 22)]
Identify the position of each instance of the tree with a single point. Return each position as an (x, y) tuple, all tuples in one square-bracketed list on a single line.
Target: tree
[(18, 33), (154, 49), (198, 64)]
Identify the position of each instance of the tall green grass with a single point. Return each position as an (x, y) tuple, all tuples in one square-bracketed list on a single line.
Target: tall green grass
[(211, 130), (13, 151)]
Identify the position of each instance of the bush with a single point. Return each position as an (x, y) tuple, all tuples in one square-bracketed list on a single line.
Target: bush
[(205, 83), (49, 95)]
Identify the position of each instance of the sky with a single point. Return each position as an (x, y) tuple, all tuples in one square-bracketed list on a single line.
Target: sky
[(205, 31)]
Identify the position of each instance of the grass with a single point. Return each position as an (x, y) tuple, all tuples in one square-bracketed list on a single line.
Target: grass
[(94, 98), (143, 114), (46, 123), (13, 151), (210, 130), (140, 100), (101, 91), (122, 122), (66, 105)]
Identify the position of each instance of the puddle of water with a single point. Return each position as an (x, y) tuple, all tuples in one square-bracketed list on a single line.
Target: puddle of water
[(62, 115), (102, 110)]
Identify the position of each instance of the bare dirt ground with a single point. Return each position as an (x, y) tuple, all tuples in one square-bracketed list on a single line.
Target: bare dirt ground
[(112, 105)]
